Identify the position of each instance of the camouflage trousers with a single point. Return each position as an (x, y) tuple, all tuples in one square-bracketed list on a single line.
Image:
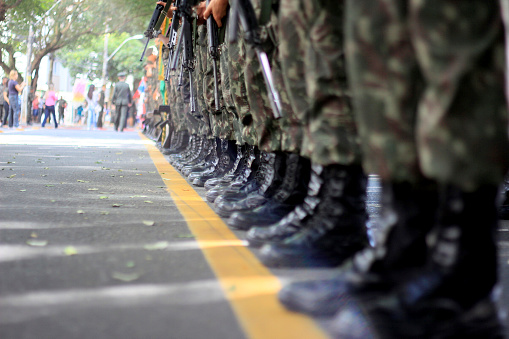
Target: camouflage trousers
[(233, 61), (428, 79), (312, 57)]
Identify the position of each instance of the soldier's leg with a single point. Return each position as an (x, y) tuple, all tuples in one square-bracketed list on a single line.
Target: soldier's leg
[(447, 52), (335, 230)]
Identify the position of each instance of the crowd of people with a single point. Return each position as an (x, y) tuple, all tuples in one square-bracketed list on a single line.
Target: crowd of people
[(412, 91)]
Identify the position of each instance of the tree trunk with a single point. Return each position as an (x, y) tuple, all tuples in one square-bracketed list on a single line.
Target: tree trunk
[(51, 66)]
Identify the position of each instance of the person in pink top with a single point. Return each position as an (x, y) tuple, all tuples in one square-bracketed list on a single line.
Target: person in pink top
[(50, 99)]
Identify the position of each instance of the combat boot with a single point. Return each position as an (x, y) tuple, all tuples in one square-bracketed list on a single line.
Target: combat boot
[(269, 177), (175, 139), (193, 153), (335, 232), (210, 165), (228, 176), (503, 211), (242, 175), (176, 159), (450, 297), (408, 214), (181, 144), (295, 220), (226, 160), (287, 196), (201, 153), (202, 162)]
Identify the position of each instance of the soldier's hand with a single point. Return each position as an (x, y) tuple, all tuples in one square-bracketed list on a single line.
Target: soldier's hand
[(200, 9), (218, 10), (170, 11)]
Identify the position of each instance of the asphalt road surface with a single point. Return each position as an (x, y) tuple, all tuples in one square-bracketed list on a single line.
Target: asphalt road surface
[(95, 242)]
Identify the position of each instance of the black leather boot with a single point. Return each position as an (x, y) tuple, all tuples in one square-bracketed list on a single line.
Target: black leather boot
[(226, 161), (335, 232), (188, 152), (176, 139), (180, 145), (241, 175), (192, 155), (287, 196), (503, 211), (408, 214), (269, 176), (199, 158), (211, 165), (450, 297), (228, 176), (205, 159)]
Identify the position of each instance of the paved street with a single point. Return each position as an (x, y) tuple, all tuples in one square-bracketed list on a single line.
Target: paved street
[(100, 238)]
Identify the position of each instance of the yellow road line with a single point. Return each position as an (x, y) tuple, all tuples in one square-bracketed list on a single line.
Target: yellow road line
[(248, 285)]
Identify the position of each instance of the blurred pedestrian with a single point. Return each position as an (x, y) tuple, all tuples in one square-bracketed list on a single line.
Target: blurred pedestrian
[(50, 99), (122, 100), (91, 98), (3, 86), (14, 108), (35, 107), (62, 105)]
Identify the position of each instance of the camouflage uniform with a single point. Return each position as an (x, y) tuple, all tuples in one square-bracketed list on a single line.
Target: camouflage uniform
[(330, 134), (233, 56), (261, 118), (199, 75), (428, 81), (291, 55)]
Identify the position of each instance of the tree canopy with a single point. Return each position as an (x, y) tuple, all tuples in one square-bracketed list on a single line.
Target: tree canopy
[(73, 28)]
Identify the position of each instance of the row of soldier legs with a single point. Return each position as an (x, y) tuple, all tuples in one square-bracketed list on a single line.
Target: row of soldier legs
[(409, 90)]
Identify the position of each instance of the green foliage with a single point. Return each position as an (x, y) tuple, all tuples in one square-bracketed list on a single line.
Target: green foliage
[(87, 57), (75, 28)]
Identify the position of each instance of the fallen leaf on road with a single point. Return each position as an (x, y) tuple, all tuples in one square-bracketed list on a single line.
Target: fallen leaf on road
[(37, 243), (11, 176), (33, 235), (80, 212), (93, 189), (161, 245), (103, 197), (46, 167), (117, 205), (149, 222), (70, 250), (130, 264), (22, 190), (138, 196), (49, 185), (104, 213), (126, 277)]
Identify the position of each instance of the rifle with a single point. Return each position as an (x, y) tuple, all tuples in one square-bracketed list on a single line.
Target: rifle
[(243, 11), (172, 35), (213, 38), (155, 24), (186, 42)]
